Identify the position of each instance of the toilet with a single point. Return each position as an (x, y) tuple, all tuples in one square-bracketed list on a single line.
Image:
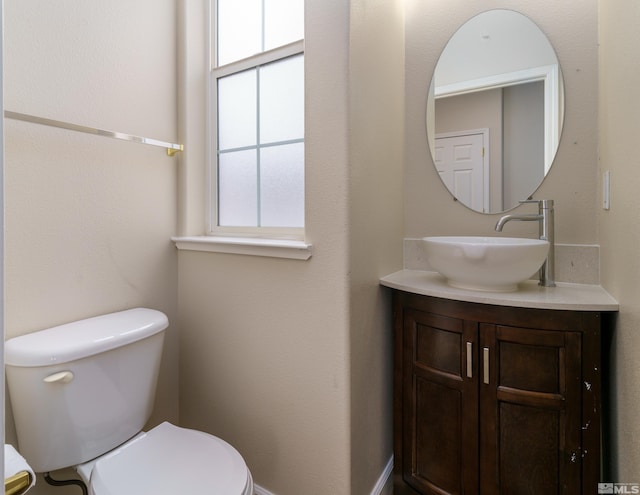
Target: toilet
[(81, 394)]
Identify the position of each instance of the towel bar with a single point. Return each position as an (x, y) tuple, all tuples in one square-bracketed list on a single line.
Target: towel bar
[(15, 484), (172, 148)]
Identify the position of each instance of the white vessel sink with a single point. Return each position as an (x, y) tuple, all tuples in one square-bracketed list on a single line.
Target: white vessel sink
[(485, 263)]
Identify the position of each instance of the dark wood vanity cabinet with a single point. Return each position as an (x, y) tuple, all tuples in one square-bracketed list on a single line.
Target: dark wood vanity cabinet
[(494, 399)]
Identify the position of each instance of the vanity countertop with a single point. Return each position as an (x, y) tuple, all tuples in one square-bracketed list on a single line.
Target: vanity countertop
[(575, 297)]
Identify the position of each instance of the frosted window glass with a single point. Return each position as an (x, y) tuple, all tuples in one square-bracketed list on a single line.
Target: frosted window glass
[(237, 186), (282, 100), (282, 186), (283, 22), (237, 110), (259, 126), (239, 29)]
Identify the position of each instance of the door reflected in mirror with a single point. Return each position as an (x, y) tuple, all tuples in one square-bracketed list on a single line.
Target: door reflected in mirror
[(495, 111)]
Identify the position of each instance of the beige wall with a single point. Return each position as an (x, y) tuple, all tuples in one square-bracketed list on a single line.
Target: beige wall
[(89, 219), (572, 182), (264, 342), (267, 348), (376, 134), (620, 226), (290, 360)]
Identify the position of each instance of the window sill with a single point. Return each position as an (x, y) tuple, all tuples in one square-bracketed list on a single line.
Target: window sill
[(274, 248)]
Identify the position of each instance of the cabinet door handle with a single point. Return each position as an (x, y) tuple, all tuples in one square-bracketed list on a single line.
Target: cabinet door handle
[(469, 359), (485, 360)]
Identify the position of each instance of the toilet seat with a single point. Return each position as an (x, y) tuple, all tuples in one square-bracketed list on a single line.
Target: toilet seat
[(169, 460)]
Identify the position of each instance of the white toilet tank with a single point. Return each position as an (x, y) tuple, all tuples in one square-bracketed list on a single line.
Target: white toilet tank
[(79, 390)]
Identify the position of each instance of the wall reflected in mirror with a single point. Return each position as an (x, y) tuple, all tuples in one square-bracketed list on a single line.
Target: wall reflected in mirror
[(495, 111)]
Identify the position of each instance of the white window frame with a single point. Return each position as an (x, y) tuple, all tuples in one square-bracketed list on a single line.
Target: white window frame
[(215, 72)]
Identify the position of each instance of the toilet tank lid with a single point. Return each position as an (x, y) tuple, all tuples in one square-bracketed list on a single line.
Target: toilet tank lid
[(83, 338)]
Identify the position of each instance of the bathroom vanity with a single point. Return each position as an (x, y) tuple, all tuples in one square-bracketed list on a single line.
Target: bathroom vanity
[(497, 392)]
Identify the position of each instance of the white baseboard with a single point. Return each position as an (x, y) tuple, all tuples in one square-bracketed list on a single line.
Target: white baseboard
[(378, 488)]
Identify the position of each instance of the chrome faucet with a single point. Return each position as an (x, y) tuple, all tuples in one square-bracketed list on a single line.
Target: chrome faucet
[(545, 219)]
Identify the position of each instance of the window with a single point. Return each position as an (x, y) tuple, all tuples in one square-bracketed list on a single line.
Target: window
[(257, 96)]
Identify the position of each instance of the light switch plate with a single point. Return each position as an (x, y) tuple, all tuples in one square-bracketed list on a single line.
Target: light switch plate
[(606, 190)]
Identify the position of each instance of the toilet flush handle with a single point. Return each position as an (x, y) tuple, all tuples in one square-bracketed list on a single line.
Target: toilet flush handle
[(60, 377)]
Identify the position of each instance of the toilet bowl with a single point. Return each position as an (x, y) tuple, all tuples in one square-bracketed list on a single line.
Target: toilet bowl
[(81, 393), (169, 460)]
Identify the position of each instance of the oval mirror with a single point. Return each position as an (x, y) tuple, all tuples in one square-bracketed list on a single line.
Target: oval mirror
[(495, 111)]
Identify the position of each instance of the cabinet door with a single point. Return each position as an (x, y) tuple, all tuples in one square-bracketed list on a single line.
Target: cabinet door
[(529, 411), (440, 408)]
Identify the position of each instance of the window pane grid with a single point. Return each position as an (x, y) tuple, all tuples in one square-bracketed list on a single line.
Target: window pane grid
[(279, 96), (225, 201), (260, 150), (262, 145), (248, 27)]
